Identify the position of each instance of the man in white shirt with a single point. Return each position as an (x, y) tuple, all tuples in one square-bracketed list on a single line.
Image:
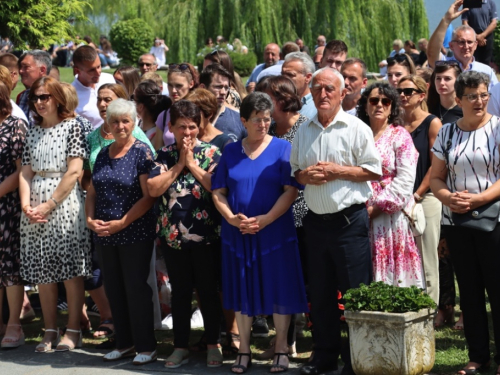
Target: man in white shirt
[(88, 79), (334, 156), (354, 72), (147, 63), (463, 44), (159, 50)]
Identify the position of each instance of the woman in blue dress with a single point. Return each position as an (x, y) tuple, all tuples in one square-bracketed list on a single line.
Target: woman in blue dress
[(253, 190)]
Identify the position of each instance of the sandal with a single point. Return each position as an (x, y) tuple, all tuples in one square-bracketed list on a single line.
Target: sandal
[(214, 355), (475, 371), (459, 325), (241, 367), (116, 354), (73, 344), (11, 342), (229, 349), (102, 328), (47, 347), (178, 358), (277, 366)]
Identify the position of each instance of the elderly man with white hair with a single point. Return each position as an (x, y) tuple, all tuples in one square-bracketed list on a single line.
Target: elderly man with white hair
[(334, 156)]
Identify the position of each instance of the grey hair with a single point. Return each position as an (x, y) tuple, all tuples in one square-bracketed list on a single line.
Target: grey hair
[(257, 101), (304, 58), (398, 42), (120, 107), (470, 79), (149, 55), (334, 71), (460, 29), (40, 57)]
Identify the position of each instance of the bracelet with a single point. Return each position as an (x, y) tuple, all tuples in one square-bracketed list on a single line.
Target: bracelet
[(417, 197), (53, 200)]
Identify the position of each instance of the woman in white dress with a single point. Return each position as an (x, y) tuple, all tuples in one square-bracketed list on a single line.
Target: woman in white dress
[(55, 242)]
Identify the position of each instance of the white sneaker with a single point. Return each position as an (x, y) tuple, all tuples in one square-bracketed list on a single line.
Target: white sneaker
[(167, 323), (197, 319)]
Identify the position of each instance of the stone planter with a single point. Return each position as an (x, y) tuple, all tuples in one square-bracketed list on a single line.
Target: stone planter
[(391, 344)]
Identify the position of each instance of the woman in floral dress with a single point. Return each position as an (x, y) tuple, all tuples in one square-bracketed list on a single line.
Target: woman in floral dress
[(187, 229), (396, 259)]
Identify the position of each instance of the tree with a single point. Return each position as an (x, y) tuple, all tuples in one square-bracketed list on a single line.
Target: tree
[(130, 39), (40, 23)]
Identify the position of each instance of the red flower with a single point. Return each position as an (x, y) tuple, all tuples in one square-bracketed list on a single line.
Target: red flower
[(205, 215), (196, 193), (164, 221), (198, 215), (173, 233), (209, 152)]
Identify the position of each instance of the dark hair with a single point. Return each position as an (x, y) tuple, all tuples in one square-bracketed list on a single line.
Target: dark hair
[(40, 57), (425, 73), (9, 60), (131, 78), (355, 60), (118, 90), (410, 44), (149, 94), (84, 54), (433, 99), (283, 90), (5, 105), (211, 70), (470, 79), (257, 101), (335, 46), (209, 41), (221, 57), (106, 44), (190, 73), (56, 91), (289, 47), (387, 90), (402, 59), (87, 39), (185, 109), (205, 100)]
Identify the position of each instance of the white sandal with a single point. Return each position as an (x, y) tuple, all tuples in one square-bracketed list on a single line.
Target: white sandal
[(47, 347), (116, 354), (142, 359), (68, 347)]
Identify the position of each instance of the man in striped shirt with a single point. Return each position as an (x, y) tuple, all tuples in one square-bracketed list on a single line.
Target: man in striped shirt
[(334, 156)]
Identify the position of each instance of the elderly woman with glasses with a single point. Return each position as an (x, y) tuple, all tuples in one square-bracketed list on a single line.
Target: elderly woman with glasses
[(254, 192), (119, 212), (465, 178), (396, 259), (398, 66)]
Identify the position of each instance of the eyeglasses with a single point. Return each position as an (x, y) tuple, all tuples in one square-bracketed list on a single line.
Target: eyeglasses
[(447, 63), (462, 43), (258, 120), (181, 67), (408, 91), (44, 98), (147, 64), (397, 58), (473, 97), (386, 102)]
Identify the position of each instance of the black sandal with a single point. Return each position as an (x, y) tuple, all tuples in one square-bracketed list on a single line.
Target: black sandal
[(277, 366), (228, 349), (109, 332), (239, 366)]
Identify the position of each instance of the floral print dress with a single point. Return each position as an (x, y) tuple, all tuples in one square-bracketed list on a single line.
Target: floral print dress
[(396, 258), (186, 213)]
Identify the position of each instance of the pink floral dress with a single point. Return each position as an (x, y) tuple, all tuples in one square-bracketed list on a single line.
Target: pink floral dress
[(396, 258)]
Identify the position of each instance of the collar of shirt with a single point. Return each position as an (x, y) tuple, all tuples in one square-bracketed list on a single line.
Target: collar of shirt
[(452, 58), (306, 99), (341, 118)]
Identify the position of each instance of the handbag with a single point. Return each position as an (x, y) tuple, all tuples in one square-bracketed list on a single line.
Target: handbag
[(484, 218), (416, 219)]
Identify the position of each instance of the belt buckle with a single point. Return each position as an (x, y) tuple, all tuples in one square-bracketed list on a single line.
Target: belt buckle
[(42, 173)]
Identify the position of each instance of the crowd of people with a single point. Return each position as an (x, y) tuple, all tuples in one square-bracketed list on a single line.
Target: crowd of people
[(270, 200)]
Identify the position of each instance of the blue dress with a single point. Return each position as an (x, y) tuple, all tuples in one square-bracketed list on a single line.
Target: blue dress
[(261, 273)]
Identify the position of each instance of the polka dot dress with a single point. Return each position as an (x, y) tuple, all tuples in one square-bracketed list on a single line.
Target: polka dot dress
[(59, 249)]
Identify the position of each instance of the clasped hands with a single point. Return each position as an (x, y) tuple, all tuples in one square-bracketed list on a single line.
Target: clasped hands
[(186, 154), (321, 173), (38, 214), (105, 228), (248, 225), (461, 202)]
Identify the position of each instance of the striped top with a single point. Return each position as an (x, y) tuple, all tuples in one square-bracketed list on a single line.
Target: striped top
[(346, 141)]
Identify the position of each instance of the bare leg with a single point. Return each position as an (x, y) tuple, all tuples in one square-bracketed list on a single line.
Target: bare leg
[(15, 296), (48, 302), (281, 324), (101, 300), (75, 295), (244, 326)]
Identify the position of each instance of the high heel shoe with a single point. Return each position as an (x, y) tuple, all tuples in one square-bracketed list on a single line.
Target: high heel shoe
[(73, 345), (241, 367), (46, 347), (13, 342)]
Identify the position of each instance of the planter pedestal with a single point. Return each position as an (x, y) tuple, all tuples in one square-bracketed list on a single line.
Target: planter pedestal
[(391, 344)]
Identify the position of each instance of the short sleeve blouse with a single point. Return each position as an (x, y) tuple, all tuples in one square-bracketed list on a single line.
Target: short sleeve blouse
[(472, 158)]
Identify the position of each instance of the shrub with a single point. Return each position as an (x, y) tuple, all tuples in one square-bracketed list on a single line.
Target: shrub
[(496, 45), (243, 63), (379, 296), (131, 39)]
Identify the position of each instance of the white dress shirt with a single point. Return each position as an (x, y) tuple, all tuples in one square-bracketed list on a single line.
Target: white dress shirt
[(17, 111), (346, 141), (87, 99)]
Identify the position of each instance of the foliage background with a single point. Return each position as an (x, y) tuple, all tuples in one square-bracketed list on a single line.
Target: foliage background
[(367, 26)]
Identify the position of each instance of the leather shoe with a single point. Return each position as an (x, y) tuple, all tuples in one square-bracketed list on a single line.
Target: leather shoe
[(315, 368)]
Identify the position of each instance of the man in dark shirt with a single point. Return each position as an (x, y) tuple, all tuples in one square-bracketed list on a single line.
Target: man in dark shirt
[(483, 20)]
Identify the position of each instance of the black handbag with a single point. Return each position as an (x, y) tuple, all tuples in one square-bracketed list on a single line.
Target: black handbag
[(484, 218)]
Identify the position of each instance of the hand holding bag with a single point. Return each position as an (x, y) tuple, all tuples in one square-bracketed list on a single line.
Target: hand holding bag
[(417, 219), (484, 218)]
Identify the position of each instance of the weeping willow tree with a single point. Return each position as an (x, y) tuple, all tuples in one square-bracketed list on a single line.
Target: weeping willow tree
[(367, 26)]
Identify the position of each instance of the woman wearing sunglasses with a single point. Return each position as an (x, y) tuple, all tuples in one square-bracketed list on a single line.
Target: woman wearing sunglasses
[(465, 177), (55, 242), (182, 78), (396, 259), (423, 128), (398, 66)]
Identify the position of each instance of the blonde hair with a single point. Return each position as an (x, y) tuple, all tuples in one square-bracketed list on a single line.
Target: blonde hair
[(5, 77), (152, 76), (421, 85), (71, 96)]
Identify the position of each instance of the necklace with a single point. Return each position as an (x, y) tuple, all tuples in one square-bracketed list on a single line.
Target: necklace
[(442, 116), (104, 131)]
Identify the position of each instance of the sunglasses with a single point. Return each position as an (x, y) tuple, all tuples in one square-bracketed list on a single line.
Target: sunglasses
[(386, 102), (147, 64), (447, 63), (44, 98), (398, 58), (408, 91), (181, 67)]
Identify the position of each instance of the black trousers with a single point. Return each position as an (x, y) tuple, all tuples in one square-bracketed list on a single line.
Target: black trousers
[(188, 269), (125, 269), (484, 54), (339, 258), (476, 260)]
